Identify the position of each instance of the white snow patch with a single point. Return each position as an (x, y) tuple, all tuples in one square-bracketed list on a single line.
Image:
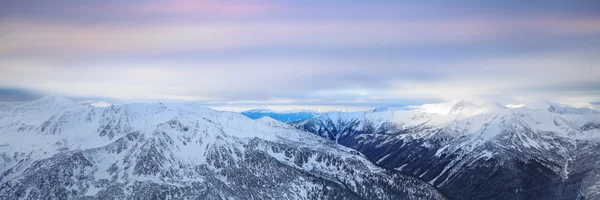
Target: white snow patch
[(101, 104)]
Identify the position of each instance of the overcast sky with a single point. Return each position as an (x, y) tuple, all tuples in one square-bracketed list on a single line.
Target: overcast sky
[(301, 54)]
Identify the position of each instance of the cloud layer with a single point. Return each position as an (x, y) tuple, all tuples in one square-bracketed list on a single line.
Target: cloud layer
[(382, 53)]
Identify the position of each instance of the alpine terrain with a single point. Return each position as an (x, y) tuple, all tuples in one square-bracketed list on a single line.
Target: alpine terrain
[(53, 148), (540, 150)]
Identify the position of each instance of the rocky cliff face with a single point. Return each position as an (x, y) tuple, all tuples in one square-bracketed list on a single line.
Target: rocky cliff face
[(56, 149)]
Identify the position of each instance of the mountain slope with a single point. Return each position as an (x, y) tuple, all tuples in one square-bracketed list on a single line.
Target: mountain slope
[(53, 148), (478, 152)]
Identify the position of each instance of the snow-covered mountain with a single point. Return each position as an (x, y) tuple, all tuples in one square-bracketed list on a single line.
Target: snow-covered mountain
[(53, 148), (559, 109), (469, 151), (282, 116), (272, 122)]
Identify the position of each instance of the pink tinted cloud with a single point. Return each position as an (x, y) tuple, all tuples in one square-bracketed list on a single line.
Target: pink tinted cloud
[(203, 6), (29, 37), (185, 8)]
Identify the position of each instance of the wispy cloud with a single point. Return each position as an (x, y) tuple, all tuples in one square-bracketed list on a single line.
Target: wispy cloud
[(24, 37), (190, 7)]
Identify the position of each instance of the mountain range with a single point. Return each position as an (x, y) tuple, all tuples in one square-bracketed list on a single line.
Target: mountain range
[(540, 150), (54, 148)]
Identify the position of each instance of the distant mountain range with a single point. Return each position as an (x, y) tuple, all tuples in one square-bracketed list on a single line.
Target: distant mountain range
[(540, 150), (282, 116), (53, 148)]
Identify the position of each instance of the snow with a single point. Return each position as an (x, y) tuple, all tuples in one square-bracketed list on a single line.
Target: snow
[(559, 108), (426, 145), (59, 124), (383, 158), (468, 130), (479, 123), (101, 104), (54, 124), (115, 139), (272, 122), (514, 105), (486, 154), (401, 167), (74, 126), (445, 108)]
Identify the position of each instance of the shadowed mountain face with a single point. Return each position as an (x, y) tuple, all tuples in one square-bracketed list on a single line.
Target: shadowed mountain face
[(479, 152), (53, 148)]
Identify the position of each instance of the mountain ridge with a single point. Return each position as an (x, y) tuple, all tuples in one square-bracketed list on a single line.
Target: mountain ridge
[(449, 149), (178, 150)]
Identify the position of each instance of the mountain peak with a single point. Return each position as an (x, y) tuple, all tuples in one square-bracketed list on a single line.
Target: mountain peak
[(51, 102), (266, 120), (558, 108), (53, 99), (446, 108), (100, 104), (380, 109), (460, 106)]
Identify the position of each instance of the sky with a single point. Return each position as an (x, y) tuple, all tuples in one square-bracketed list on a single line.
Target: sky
[(302, 54)]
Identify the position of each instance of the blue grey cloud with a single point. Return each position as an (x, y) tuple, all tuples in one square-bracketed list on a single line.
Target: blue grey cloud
[(17, 95)]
